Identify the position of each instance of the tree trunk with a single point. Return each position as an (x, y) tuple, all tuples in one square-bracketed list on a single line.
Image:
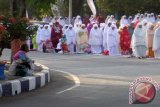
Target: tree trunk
[(22, 12), (18, 8), (11, 7)]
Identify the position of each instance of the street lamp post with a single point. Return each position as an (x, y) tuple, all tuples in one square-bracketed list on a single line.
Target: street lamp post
[(70, 11)]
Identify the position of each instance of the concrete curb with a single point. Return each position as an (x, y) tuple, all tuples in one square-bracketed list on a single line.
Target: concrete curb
[(26, 84)]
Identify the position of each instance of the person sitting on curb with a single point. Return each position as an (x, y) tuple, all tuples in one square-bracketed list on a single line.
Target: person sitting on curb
[(22, 65)]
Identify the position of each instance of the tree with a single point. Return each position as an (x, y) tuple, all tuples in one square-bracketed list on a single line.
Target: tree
[(128, 7)]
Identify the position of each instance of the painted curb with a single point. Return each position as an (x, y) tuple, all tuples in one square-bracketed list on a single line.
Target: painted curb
[(26, 84)]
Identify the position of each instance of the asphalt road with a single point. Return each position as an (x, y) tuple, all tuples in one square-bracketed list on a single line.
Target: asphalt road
[(104, 81)]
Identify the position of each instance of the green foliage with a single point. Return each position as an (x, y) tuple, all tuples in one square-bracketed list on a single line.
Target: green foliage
[(128, 7), (18, 28), (40, 8)]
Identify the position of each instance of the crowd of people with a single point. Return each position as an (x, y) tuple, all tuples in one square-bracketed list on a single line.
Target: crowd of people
[(137, 36)]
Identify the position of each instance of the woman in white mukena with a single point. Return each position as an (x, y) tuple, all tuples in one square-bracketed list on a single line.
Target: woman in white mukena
[(38, 37), (139, 41), (71, 38), (112, 40), (124, 21), (95, 40), (156, 43)]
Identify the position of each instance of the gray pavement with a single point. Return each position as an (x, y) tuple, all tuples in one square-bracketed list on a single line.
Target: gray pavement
[(104, 81)]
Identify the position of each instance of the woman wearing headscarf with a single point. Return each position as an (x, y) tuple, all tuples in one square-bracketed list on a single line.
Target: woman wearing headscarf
[(156, 43), (124, 41), (112, 19), (130, 19), (70, 36), (149, 39), (139, 42), (158, 19), (38, 37), (112, 40), (61, 21), (56, 34), (106, 21), (22, 65), (46, 33), (95, 40), (106, 28), (123, 21), (78, 20), (82, 39), (65, 27)]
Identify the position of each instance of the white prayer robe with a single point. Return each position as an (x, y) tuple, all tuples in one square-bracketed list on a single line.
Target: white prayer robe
[(138, 42), (38, 38), (95, 40), (70, 36), (156, 43), (112, 41)]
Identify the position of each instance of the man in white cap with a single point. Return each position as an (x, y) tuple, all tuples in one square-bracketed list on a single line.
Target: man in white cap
[(95, 40)]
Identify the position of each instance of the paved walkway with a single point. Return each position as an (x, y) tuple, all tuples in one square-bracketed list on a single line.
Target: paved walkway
[(104, 81)]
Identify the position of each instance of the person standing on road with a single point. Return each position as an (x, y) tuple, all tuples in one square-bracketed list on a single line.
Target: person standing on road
[(95, 40), (82, 39), (149, 39), (112, 40), (139, 42), (106, 28), (70, 36), (56, 34), (124, 41), (156, 43), (38, 37)]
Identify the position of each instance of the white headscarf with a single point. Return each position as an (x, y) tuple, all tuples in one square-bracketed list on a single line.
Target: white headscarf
[(61, 21), (64, 28), (112, 19), (123, 21), (106, 21), (130, 19), (46, 33), (78, 20)]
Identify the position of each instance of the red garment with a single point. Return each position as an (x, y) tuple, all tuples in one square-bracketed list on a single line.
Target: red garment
[(135, 24), (56, 34), (101, 19), (124, 40), (64, 47), (86, 20)]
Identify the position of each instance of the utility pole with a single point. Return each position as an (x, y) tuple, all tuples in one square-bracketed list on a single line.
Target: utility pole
[(70, 11)]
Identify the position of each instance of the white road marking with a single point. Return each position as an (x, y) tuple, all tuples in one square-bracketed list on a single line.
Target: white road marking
[(75, 78)]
